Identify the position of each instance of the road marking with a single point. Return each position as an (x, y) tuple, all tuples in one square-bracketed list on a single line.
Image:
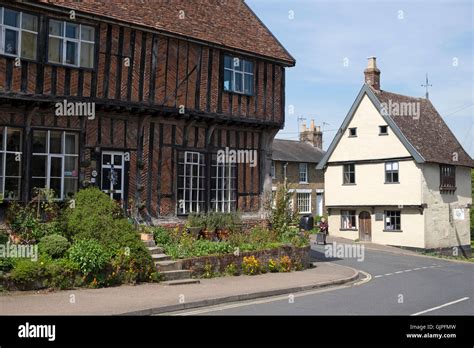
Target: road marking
[(444, 305), (408, 270), (388, 274), (368, 278), (416, 269), (378, 276), (398, 272)]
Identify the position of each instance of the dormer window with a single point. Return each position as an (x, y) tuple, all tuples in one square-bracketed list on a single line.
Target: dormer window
[(383, 130), (352, 132), (238, 75)]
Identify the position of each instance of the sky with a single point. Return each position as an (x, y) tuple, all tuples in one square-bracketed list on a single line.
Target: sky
[(331, 41)]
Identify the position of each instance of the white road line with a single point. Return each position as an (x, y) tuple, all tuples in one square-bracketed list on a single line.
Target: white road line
[(444, 305), (407, 270), (398, 272), (388, 274), (378, 276), (416, 269)]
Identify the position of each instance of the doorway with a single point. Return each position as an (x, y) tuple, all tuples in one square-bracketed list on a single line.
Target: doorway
[(365, 227), (112, 176)]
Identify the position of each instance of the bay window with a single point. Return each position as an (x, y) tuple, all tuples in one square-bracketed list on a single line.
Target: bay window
[(55, 162)]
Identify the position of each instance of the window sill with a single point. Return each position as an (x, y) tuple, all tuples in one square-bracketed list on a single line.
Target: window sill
[(348, 229), (352, 136), (304, 183), (392, 230), (349, 184), (391, 183), (238, 93), (382, 134), (67, 66)]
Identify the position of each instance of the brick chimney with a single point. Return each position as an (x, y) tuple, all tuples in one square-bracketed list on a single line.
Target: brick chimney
[(372, 74), (313, 135)]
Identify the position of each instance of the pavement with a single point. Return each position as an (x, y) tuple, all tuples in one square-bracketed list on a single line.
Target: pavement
[(149, 299), (401, 282)]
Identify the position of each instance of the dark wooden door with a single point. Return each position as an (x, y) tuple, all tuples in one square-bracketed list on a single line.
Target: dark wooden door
[(365, 227)]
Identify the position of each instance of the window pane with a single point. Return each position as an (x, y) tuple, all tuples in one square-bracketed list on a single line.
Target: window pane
[(13, 166), (106, 159), (39, 141), (248, 66), (55, 50), (70, 167), (237, 64), (71, 52), (72, 146), (55, 142), (395, 165), (72, 31), (37, 183), (11, 18), (55, 185), (228, 62), (11, 41), (38, 166), (12, 188), (248, 84), (55, 28), (87, 33), (56, 167), (1, 139), (28, 45), (118, 160), (228, 80), (238, 82), (70, 187), (87, 55), (29, 22), (14, 140)]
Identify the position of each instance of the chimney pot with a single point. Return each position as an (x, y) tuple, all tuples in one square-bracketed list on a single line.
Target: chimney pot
[(372, 74)]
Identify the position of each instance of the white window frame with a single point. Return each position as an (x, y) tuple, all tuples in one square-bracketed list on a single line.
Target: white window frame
[(121, 166), (303, 200), (19, 31), (392, 167), (349, 215), (186, 206), (4, 153), (273, 170), (388, 215), (244, 73), (225, 197), (61, 155), (303, 170), (64, 39)]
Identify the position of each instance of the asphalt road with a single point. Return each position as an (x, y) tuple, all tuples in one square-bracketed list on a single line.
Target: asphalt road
[(399, 285)]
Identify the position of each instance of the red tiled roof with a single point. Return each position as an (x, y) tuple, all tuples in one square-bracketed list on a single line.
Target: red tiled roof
[(229, 23), (428, 133)]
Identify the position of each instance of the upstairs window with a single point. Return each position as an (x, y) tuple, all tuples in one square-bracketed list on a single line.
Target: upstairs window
[(391, 172), (447, 177), (18, 34), (349, 173), (303, 173), (238, 75), (383, 130), (71, 44), (352, 132)]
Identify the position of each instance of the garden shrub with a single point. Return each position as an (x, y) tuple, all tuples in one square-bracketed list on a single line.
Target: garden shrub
[(231, 270), (54, 245), (3, 238), (250, 265), (27, 271), (63, 274), (6, 264), (285, 264), (90, 256)]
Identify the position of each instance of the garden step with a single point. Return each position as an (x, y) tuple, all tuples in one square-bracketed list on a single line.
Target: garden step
[(163, 266), (149, 243), (176, 275), (155, 250), (160, 257), (181, 282)]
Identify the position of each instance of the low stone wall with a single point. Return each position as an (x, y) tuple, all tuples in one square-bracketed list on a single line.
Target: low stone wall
[(220, 262)]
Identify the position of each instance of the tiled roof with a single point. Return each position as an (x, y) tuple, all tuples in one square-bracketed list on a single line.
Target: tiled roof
[(428, 133), (295, 151), (228, 23)]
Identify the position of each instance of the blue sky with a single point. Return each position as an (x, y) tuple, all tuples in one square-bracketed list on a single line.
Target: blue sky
[(409, 39)]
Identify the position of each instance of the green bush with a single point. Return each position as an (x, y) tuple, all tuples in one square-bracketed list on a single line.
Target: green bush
[(63, 274), (6, 264), (3, 238), (27, 271), (54, 245), (89, 255)]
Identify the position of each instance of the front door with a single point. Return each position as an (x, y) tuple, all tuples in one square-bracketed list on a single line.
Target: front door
[(113, 171), (365, 227)]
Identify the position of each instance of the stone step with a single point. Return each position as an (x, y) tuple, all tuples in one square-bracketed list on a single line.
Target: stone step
[(149, 243), (176, 275), (181, 282), (163, 266), (160, 257), (155, 250)]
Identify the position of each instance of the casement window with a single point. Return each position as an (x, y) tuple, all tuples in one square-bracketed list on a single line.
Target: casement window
[(303, 200), (55, 162), (303, 173), (383, 130), (391, 172), (223, 186), (348, 219), (71, 44), (273, 170), (191, 182), (348, 173), (447, 177), (238, 75), (392, 220), (352, 132), (18, 33), (10, 162)]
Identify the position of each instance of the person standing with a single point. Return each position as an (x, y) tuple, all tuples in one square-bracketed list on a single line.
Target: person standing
[(324, 229)]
